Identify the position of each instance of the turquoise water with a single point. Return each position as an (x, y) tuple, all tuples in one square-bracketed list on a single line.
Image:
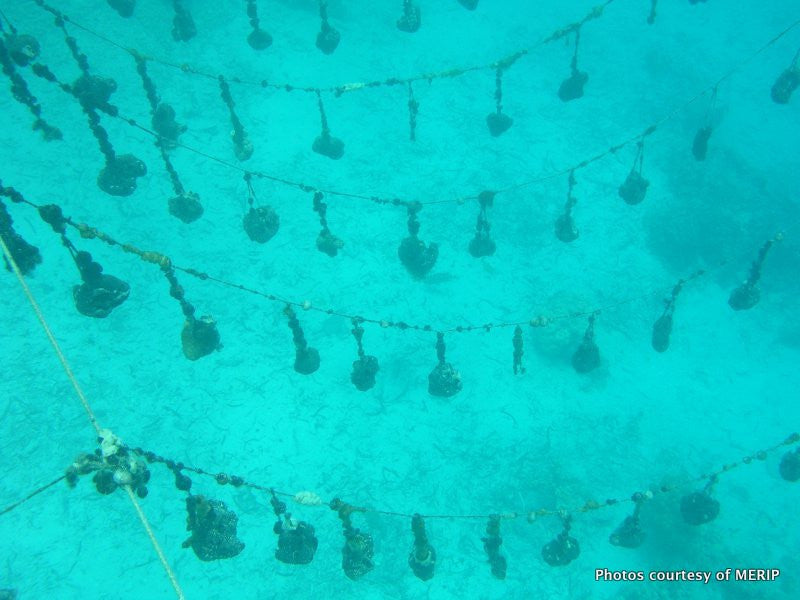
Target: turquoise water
[(547, 439)]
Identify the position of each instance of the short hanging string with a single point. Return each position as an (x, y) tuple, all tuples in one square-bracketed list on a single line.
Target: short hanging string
[(651, 18), (60, 22), (323, 118), (587, 357), (417, 256), (638, 162), (498, 122), (92, 90), (498, 91), (700, 143), (306, 359), (365, 367), (99, 293), (199, 336), (572, 87), (483, 244), (184, 205), (662, 328), (297, 543), (787, 82), (359, 548), (444, 381), (491, 544), (422, 558), (564, 548), (118, 176), (413, 109), (634, 189), (325, 143), (517, 342), (242, 146), (629, 534), (712, 104), (699, 508), (747, 295), (260, 223), (565, 228), (19, 88), (327, 243), (258, 38), (162, 114), (328, 37)]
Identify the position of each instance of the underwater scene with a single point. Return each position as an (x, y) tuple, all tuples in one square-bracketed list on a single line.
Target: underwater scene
[(474, 299)]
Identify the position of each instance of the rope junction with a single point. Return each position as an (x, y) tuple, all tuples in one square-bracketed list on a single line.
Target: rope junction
[(9, 258)]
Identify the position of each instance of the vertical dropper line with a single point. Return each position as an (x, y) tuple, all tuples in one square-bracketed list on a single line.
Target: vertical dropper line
[(92, 419), (713, 103), (575, 54), (498, 92), (322, 116), (638, 162)]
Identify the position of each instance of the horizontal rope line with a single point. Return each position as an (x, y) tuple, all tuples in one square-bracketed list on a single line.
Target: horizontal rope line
[(589, 505), (340, 89)]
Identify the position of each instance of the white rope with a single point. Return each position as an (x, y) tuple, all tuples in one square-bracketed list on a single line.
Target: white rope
[(87, 407)]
